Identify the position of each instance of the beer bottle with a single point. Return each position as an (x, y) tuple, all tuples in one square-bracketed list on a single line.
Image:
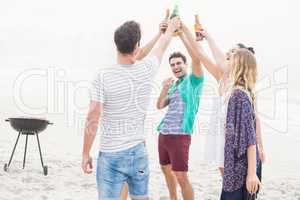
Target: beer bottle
[(198, 28), (166, 20), (175, 13), (167, 14)]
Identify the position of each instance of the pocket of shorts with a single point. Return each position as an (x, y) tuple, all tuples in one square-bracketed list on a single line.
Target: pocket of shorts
[(108, 168)]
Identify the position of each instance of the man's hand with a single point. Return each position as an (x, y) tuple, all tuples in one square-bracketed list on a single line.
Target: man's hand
[(174, 24), (165, 39), (87, 164), (167, 83), (163, 26)]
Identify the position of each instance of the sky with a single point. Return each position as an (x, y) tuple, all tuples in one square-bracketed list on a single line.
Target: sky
[(72, 39)]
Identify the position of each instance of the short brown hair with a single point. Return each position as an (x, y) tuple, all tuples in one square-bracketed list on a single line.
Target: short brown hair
[(178, 55), (127, 36)]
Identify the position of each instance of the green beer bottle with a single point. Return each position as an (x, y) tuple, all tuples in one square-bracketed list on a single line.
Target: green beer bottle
[(175, 13)]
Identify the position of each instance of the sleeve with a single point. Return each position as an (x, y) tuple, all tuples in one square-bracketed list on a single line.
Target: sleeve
[(196, 81), (248, 122), (152, 64), (97, 88), (240, 122)]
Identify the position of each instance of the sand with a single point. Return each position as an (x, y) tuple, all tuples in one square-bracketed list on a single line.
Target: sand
[(66, 181)]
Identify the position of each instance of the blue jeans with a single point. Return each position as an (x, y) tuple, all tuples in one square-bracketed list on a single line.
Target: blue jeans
[(114, 169)]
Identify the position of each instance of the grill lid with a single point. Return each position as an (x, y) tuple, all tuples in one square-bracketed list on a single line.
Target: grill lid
[(28, 124)]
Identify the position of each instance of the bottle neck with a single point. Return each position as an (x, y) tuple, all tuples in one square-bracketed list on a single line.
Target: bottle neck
[(167, 14), (197, 20)]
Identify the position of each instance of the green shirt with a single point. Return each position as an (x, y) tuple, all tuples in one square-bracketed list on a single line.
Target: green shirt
[(190, 88)]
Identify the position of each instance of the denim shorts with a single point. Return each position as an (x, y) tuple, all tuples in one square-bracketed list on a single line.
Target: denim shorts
[(114, 169)]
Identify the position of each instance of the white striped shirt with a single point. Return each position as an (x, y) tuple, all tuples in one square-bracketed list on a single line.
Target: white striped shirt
[(124, 91)]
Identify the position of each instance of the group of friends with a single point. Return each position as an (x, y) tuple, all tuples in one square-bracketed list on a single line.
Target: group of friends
[(120, 96)]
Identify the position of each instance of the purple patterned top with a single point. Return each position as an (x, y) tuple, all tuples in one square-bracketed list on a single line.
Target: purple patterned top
[(240, 133)]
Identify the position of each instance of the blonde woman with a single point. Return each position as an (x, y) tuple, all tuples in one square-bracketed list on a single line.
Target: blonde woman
[(220, 69), (242, 166)]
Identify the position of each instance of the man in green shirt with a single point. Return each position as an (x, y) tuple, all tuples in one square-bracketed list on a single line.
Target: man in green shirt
[(182, 98)]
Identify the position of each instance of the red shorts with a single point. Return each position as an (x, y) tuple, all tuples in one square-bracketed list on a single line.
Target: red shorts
[(174, 150)]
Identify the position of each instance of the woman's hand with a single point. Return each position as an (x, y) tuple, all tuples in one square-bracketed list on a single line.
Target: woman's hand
[(203, 34), (262, 155), (252, 183)]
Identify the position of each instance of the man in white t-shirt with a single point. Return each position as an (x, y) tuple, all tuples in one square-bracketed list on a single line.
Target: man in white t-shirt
[(119, 99)]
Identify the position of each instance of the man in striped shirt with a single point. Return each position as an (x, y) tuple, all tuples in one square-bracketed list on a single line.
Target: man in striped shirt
[(119, 99)]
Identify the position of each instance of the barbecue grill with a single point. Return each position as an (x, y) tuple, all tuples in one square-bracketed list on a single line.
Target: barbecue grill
[(28, 126)]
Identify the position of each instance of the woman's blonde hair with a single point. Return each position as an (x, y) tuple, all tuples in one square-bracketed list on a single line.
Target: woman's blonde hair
[(244, 71)]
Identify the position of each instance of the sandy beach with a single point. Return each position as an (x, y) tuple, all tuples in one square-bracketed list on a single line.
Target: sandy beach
[(61, 146)]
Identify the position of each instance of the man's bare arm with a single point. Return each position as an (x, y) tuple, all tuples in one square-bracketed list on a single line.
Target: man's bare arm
[(144, 51), (90, 131), (148, 47), (91, 125), (165, 39), (191, 46), (163, 99)]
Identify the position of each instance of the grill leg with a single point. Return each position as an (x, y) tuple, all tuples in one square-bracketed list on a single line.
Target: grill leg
[(12, 154), (25, 151), (37, 137)]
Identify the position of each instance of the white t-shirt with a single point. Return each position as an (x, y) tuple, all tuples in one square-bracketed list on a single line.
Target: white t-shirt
[(124, 91)]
